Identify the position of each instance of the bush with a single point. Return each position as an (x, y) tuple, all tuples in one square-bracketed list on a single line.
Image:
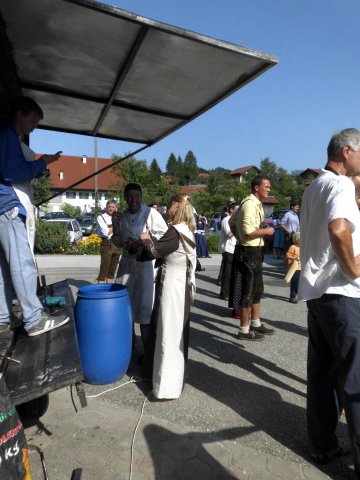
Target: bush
[(213, 244), (51, 237)]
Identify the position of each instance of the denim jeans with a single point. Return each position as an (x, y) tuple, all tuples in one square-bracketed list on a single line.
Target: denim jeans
[(17, 271), (333, 371)]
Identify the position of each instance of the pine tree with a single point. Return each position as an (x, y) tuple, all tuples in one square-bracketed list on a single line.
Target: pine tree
[(171, 165), (180, 171), (190, 168), (155, 170)]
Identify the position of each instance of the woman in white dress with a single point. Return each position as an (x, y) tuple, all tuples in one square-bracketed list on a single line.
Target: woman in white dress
[(175, 252)]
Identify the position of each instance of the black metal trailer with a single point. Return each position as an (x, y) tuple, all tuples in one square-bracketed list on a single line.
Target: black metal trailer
[(35, 366)]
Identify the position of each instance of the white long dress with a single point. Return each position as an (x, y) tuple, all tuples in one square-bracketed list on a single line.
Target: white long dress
[(169, 333), (139, 276)]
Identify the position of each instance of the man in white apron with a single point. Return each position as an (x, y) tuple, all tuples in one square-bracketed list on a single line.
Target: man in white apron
[(137, 276)]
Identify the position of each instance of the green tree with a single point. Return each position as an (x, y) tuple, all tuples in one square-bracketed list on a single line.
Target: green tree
[(217, 182), (132, 170), (180, 178), (129, 170), (190, 167), (70, 210), (41, 189), (172, 166), (268, 169), (155, 170)]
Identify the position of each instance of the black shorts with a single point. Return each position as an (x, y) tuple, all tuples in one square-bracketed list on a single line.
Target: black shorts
[(250, 261)]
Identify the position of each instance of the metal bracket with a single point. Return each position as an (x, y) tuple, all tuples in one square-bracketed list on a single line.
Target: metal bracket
[(81, 394)]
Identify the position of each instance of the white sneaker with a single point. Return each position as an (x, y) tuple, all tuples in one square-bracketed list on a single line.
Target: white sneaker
[(48, 322)]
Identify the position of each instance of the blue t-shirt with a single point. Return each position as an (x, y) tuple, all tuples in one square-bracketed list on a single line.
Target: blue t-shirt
[(291, 221), (14, 169)]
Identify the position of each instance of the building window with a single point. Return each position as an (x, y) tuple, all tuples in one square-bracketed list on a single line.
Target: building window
[(70, 195), (84, 195), (108, 196)]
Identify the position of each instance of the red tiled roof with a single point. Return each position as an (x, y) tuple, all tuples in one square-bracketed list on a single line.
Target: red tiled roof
[(74, 170), (242, 170), (189, 189), (270, 200), (314, 171)]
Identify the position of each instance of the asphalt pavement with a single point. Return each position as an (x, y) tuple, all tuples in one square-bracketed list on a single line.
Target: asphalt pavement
[(241, 414)]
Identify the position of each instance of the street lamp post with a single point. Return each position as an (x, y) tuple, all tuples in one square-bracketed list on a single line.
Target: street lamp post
[(96, 177)]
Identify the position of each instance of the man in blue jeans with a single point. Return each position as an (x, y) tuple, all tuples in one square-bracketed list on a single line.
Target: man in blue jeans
[(330, 283), (17, 267)]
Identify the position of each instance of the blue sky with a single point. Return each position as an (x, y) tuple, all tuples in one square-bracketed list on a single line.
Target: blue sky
[(288, 114)]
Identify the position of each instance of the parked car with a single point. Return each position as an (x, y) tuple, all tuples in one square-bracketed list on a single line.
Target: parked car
[(215, 226), (54, 215), (268, 239), (276, 213), (74, 229), (87, 224)]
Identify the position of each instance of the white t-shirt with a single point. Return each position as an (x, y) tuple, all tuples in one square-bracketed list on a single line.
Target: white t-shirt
[(327, 198), (226, 244), (104, 221)]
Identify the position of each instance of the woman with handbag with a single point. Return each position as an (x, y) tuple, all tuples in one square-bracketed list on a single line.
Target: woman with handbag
[(167, 347)]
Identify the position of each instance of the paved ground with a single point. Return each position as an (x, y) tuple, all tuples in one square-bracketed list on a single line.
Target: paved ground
[(241, 415)]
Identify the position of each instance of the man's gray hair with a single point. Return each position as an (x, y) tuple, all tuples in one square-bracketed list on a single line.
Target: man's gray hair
[(349, 136), (112, 202)]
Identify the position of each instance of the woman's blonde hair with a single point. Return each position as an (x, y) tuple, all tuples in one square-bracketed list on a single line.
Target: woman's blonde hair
[(185, 212)]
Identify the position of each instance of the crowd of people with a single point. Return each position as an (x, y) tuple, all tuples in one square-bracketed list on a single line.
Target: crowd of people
[(161, 250)]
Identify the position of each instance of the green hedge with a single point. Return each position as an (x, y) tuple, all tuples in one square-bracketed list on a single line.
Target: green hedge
[(51, 237), (213, 244)]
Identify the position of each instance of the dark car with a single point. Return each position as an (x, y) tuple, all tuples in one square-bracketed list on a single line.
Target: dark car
[(268, 239), (276, 213), (88, 225), (54, 216)]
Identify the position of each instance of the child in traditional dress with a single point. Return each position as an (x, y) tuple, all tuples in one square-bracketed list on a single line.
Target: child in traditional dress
[(293, 255)]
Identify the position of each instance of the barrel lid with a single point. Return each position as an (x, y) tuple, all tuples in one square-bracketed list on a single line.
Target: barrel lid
[(103, 290)]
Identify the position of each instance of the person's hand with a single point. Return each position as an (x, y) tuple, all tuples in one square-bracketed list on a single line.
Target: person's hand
[(50, 158), (128, 244), (145, 235), (269, 231)]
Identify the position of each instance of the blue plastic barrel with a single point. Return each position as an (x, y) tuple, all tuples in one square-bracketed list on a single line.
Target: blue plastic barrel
[(104, 328)]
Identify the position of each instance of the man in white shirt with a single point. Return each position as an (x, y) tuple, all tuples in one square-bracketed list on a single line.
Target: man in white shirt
[(227, 247), (109, 252), (330, 283)]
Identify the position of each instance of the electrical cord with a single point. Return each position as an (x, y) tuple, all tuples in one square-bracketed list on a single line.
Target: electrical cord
[(132, 380), (43, 464), (133, 439)]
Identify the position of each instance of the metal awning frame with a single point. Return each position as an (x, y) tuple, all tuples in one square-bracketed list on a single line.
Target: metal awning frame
[(12, 85)]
